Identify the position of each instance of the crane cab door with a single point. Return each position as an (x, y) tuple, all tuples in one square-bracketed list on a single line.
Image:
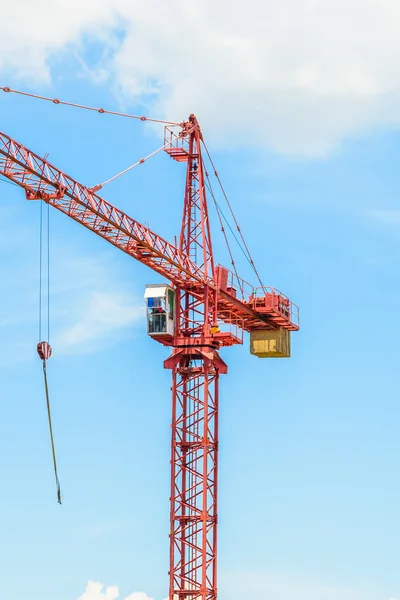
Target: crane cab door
[(160, 311)]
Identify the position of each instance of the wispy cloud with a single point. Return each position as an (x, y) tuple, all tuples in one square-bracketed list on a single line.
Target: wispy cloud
[(105, 529), (91, 305), (286, 586), (387, 217), (262, 80), (88, 316), (104, 317)]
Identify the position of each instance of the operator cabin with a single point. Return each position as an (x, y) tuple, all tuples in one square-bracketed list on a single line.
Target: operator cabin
[(160, 313)]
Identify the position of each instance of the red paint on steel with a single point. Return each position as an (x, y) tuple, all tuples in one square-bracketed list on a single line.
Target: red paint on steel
[(43, 181), (205, 295), (194, 463), (44, 350), (196, 366)]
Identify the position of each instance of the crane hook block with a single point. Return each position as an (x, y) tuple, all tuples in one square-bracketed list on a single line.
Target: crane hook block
[(44, 350)]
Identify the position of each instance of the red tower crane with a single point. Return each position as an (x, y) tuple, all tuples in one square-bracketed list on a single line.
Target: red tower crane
[(202, 308)]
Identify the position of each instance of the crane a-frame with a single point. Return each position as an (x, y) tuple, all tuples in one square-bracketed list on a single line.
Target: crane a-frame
[(202, 308)]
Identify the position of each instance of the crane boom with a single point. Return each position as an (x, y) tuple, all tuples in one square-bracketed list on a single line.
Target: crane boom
[(43, 181)]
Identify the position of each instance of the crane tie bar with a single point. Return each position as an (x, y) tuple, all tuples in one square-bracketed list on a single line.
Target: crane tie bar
[(102, 111), (99, 186)]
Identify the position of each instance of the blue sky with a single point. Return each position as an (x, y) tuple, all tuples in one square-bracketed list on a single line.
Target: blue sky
[(309, 488)]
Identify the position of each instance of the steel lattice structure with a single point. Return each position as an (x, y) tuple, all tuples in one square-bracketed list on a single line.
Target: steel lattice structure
[(204, 300), (196, 366)]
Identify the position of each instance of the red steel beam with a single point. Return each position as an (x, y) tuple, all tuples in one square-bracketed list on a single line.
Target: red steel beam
[(43, 181)]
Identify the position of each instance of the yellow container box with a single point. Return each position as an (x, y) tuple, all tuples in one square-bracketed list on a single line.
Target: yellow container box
[(265, 343)]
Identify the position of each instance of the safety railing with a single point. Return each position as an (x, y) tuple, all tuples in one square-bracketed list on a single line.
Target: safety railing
[(175, 143), (269, 298), (234, 285), (231, 331)]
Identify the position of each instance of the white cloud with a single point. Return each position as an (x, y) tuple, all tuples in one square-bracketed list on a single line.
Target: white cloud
[(138, 596), (91, 305), (87, 315), (31, 32), (97, 591), (103, 316), (257, 585), (298, 75)]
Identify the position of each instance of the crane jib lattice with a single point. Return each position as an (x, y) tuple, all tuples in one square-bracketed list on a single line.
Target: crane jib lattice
[(42, 180)]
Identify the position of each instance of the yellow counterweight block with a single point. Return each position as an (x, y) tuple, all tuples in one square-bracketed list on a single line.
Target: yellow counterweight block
[(267, 343)]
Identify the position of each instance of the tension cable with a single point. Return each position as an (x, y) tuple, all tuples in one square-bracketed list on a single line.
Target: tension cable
[(102, 111)]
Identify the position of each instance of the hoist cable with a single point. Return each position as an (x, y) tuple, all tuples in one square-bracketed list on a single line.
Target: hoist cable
[(48, 272), (210, 189), (91, 108), (40, 268), (44, 348), (44, 235), (233, 214), (51, 433), (230, 229)]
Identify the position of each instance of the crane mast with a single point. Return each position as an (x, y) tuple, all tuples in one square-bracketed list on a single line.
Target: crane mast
[(196, 367), (200, 297)]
